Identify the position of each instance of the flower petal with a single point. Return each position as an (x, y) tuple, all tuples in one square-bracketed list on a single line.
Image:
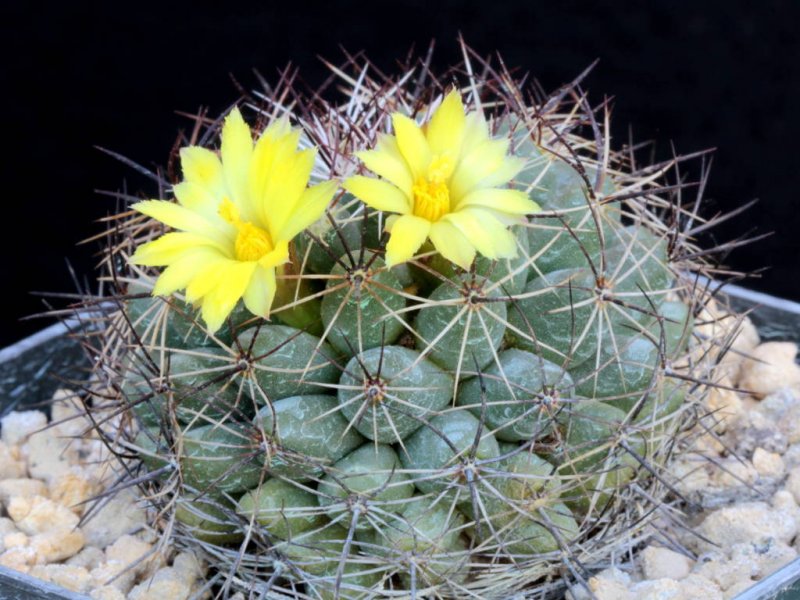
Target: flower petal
[(446, 127), (412, 144), (236, 149), (310, 207), (290, 175), (234, 278), (408, 234), (484, 160), (452, 244), (486, 233), (387, 161), (277, 257), (178, 275), (195, 197), (378, 194), (202, 166), (260, 292), (515, 202), (178, 217), (172, 246)]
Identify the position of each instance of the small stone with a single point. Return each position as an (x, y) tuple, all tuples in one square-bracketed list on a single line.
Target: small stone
[(746, 522), (23, 488), (734, 473), (696, 586), (113, 574), (119, 516), (726, 405), (67, 415), (768, 464), (723, 571), (50, 456), (11, 464), (793, 483), (771, 366), (37, 514), (756, 429), (660, 563), (19, 559), (656, 589), (16, 539), (130, 551), (690, 475), (784, 501), (106, 592), (57, 545), (75, 579), (768, 556), (189, 567), (88, 558), (17, 426), (72, 490), (166, 583), (610, 584), (792, 456), (737, 588)]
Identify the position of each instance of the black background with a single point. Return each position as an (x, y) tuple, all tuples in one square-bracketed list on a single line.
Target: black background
[(79, 74)]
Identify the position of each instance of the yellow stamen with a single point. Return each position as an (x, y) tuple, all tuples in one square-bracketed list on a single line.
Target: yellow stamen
[(431, 193), (252, 242)]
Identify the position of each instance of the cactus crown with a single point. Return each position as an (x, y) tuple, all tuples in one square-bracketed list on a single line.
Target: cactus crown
[(417, 424)]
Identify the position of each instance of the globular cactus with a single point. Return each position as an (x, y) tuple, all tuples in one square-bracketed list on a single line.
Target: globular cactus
[(425, 425)]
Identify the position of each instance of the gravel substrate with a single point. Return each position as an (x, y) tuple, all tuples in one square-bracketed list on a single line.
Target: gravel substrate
[(51, 529), (741, 482)]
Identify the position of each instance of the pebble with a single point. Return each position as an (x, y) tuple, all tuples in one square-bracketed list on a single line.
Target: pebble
[(15, 427), (724, 571), (57, 545), (166, 583), (732, 472), (745, 522), (88, 558), (22, 488), (47, 475), (11, 465), (73, 578), (73, 490), (659, 563), (770, 367), (37, 514), (768, 464), (793, 483), (767, 556)]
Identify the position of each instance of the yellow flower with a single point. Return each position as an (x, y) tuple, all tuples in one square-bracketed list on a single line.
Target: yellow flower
[(444, 180), (235, 218)]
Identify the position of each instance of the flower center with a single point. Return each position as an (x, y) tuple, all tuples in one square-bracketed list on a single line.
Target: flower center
[(252, 242), (431, 193)]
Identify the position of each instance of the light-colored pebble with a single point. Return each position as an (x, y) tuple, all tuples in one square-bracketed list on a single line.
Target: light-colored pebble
[(89, 558), (107, 592), (113, 574), (189, 566), (16, 539), (771, 367), (661, 563), (73, 578), (746, 522), (11, 464), (37, 514), (732, 472), (19, 558), (57, 545), (22, 487), (67, 416), (768, 464), (696, 586), (737, 588), (656, 589), (768, 556), (130, 551), (690, 475), (166, 583), (17, 426), (72, 490), (724, 571), (793, 483), (119, 516), (50, 456)]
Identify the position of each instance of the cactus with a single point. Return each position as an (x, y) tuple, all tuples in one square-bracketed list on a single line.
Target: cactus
[(419, 428)]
